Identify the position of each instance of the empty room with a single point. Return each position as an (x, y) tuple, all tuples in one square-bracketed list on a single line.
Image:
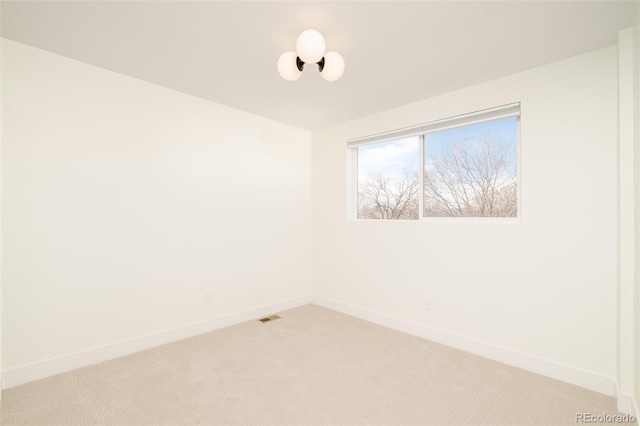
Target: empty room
[(319, 213)]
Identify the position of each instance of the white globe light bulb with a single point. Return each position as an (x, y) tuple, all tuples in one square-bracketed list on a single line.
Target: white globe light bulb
[(310, 46), (287, 66), (333, 66)]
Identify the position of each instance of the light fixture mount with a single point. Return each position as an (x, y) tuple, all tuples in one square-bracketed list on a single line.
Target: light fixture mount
[(310, 48), (300, 64)]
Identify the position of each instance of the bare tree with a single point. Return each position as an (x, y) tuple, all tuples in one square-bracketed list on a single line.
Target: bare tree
[(384, 197), (465, 180), (472, 180)]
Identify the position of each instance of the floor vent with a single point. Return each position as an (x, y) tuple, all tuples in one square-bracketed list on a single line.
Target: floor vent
[(271, 318)]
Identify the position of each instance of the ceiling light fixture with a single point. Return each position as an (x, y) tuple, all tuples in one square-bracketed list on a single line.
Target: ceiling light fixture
[(310, 49)]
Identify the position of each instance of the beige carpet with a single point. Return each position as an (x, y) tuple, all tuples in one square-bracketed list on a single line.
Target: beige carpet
[(311, 367)]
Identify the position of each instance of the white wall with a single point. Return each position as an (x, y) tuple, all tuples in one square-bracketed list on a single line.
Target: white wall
[(627, 221), (544, 288), (637, 206), (0, 225), (124, 202)]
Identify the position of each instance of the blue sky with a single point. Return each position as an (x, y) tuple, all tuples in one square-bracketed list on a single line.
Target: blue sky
[(394, 157), (503, 130)]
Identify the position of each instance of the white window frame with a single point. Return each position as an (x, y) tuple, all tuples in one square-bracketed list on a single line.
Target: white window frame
[(490, 114)]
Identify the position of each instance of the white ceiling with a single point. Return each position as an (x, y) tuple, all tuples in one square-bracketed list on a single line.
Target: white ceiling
[(395, 52)]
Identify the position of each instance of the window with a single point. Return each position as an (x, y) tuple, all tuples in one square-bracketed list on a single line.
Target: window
[(465, 166)]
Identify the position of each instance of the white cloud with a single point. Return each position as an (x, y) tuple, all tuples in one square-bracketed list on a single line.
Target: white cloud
[(390, 158)]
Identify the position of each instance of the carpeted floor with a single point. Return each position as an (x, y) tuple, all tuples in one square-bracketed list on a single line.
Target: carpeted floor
[(313, 366)]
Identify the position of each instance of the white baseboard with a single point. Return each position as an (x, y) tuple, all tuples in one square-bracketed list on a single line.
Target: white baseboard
[(542, 366), (49, 367)]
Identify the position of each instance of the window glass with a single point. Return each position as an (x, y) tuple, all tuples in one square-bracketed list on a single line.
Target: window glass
[(471, 171), (388, 179)]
